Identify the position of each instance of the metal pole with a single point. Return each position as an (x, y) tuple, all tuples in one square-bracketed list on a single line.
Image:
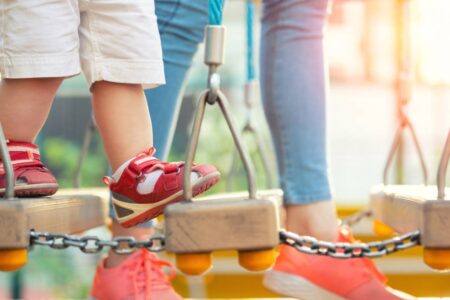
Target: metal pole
[(246, 161), (442, 170), (90, 129), (17, 285), (403, 83), (192, 148), (7, 166)]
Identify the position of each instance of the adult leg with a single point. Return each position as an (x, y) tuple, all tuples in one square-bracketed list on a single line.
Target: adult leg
[(294, 85), (294, 89)]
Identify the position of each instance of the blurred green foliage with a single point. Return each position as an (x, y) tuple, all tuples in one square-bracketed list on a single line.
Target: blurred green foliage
[(62, 156)]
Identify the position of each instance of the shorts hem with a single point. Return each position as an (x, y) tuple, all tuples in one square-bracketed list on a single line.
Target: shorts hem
[(40, 66), (149, 74)]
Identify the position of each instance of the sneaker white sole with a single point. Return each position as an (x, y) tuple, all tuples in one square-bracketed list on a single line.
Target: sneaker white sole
[(295, 286)]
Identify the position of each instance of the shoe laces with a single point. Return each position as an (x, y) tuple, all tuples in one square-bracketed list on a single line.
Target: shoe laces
[(346, 235), (146, 271)]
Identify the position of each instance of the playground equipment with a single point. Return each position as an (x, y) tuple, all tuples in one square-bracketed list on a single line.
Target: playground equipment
[(250, 225), (70, 214), (239, 221), (406, 208)]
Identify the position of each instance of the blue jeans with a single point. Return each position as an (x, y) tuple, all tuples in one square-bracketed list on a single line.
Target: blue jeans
[(181, 24), (294, 84), (293, 81)]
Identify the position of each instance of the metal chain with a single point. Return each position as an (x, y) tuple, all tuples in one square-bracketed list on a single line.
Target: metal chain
[(93, 244), (311, 245), (356, 217), (155, 243)]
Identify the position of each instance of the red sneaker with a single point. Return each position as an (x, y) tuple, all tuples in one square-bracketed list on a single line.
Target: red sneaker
[(132, 207), (305, 276), (139, 277), (32, 178)]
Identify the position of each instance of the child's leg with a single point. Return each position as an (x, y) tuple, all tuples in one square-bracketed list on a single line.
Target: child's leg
[(141, 184), (123, 119), (39, 48), (181, 32), (24, 106)]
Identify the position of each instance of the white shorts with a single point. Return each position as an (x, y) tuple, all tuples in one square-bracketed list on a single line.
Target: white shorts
[(111, 40)]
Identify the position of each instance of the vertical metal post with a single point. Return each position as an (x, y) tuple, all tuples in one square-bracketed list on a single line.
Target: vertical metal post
[(403, 81), (16, 286), (90, 130), (245, 157), (192, 147), (7, 166), (442, 170)]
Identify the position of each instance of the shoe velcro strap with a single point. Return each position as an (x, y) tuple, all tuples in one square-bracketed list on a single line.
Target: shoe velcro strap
[(21, 148), (140, 163), (21, 164), (172, 167), (24, 155)]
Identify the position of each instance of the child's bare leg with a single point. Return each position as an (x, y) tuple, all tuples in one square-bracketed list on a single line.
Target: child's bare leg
[(123, 120), (24, 106)]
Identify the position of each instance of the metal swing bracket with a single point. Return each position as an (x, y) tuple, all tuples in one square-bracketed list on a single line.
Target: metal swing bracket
[(222, 222), (406, 208), (251, 129)]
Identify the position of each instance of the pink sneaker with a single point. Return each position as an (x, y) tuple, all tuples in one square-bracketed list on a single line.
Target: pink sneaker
[(139, 277), (305, 276), (32, 178), (133, 207)]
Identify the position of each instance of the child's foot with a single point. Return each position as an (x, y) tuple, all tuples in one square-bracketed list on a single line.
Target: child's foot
[(144, 186), (32, 178), (305, 276), (140, 276)]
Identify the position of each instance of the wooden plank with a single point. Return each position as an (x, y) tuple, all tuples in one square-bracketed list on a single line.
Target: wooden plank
[(274, 194), (402, 213), (221, 224), (407, 208), (59, 214)]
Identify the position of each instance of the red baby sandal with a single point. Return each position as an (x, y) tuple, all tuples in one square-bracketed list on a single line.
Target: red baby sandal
[(32, 178)]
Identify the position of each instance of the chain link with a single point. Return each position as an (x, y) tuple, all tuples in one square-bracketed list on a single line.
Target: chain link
[(311, 245), (93, 244), (155, 243), (357, 217)]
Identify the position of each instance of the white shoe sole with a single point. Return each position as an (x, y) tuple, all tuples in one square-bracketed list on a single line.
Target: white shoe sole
[(295, 286)]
